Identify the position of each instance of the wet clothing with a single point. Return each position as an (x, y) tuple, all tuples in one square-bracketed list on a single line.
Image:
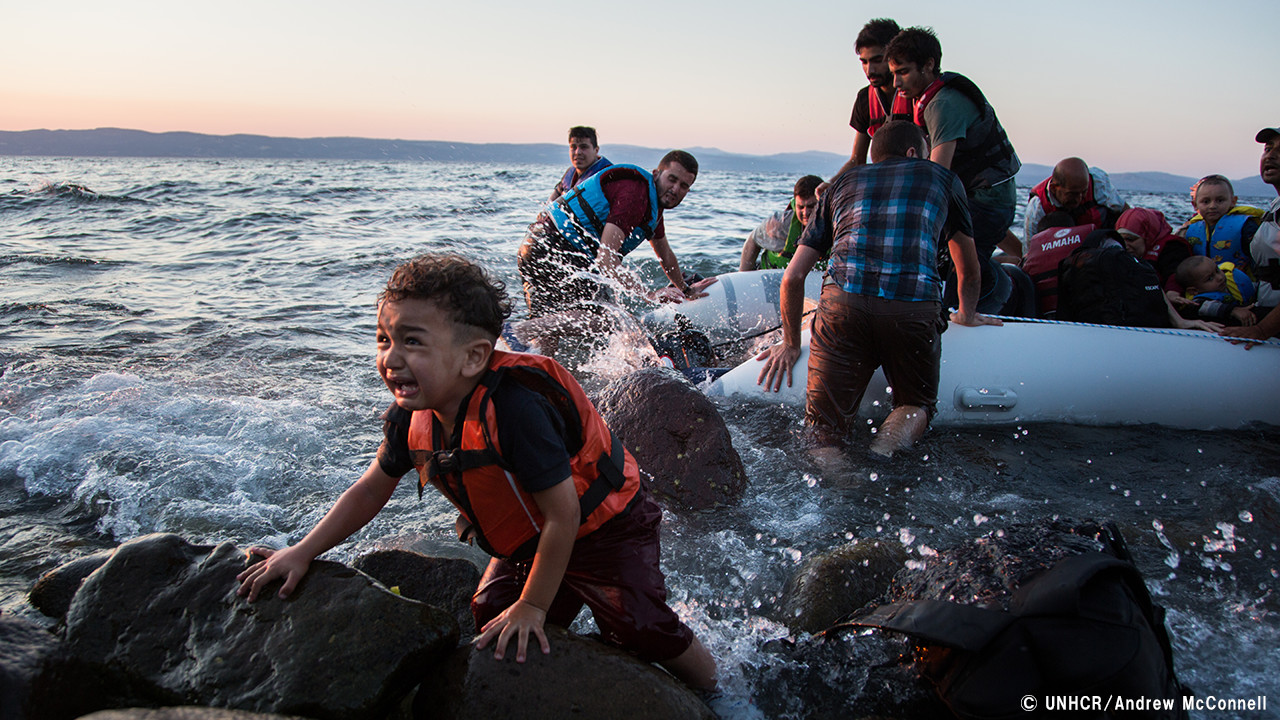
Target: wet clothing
[(1101, 206), (872, 108), (855, 334), (573, 177), (615, 572), (613, 569), (468, 467), (557, 258), (883, 225)]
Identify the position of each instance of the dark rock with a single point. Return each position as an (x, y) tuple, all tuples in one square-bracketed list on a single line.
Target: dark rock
[(187, 712), (52, 593), (161, 624), (677, 437), (447, 583), (842, 674), (30, 658), (831, 585), (848, 671), (579, 678)]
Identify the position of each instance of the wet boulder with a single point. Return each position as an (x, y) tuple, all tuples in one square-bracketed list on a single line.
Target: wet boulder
[(833, 584), (52, 593), (31, 662), (447, 583), (160, 623), (579, 678), (677, 437)]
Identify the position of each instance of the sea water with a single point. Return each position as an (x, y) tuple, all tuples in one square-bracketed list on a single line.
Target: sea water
[(187, 346)]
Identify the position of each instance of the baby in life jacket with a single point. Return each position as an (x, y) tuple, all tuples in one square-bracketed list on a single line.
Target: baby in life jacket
[(1221, 292), (539, 481), (1221, 229)]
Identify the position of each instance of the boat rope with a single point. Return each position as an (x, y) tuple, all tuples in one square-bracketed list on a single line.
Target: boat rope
[(1159, 331)]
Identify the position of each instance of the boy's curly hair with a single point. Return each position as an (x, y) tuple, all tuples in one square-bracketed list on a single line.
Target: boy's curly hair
[(458, 286)]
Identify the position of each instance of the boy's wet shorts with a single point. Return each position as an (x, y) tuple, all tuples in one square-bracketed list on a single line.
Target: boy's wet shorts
[(556, 275), (855, 334), (614, 571)]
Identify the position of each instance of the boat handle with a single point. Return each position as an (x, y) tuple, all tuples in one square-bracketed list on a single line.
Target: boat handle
[(972, 398)]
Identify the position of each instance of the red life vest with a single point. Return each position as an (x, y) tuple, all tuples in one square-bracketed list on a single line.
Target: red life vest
[(1088, 212), (475, 478), (901, 109), (1044, 252)]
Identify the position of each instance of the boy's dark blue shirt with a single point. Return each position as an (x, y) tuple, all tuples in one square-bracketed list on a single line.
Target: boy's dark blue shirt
[(530, 433)]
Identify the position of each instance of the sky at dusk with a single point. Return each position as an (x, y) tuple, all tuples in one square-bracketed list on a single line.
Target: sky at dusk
[(1179, 86)]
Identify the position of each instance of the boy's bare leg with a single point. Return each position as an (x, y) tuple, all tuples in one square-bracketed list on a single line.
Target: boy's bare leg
[(695, 667), (904, 426)]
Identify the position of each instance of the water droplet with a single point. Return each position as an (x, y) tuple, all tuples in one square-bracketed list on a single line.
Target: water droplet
[(1246, 516)]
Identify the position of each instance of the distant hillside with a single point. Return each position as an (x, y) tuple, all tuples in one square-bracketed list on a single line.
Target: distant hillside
[(114, 142)]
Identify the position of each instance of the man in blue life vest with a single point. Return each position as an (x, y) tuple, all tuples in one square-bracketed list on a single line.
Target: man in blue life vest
[(1075, 194), (965, 137), (771, 245), (878, 101), (1265, 247), (584, 159), (573, 251)]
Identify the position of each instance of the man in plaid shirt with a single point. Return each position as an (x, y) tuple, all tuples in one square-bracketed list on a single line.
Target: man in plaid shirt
[(882, 224)]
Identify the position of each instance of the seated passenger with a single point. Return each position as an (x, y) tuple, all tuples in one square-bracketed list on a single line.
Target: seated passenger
[(778, 234), (1075, 194), (1221, 229), (1221, 293), (1148, 236)]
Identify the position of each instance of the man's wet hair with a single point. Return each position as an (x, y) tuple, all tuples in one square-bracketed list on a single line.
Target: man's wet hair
[(807, 186), (686, 160), (876, 33), (463, 290), (895, 137), (1212, 180), (587, 133), (915, 45)]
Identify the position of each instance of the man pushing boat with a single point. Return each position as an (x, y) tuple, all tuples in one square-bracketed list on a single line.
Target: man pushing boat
[(881, 224)]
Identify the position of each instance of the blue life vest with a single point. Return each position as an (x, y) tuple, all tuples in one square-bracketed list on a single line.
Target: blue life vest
[(567, 183), (1227, 243), (580, 214), (1240, 288)]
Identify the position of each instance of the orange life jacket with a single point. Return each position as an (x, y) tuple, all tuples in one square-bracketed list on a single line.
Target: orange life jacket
[(476, 479)]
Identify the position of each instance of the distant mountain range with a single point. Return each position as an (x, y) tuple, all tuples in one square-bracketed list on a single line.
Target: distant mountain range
[(115, 142)]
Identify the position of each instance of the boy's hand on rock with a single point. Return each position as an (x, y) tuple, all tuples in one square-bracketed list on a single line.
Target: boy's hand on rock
[(519, 619), (288, 563)]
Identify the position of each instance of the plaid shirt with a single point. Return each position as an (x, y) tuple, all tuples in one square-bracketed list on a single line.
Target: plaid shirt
[(883, 225)]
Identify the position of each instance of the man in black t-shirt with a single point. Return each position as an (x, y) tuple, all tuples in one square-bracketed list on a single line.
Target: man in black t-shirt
[(870, 46)]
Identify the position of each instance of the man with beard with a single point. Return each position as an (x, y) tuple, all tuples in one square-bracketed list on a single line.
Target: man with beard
[(576, 245), (877, 102), (1265, 247)]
